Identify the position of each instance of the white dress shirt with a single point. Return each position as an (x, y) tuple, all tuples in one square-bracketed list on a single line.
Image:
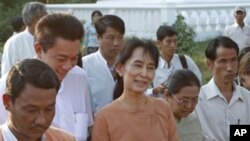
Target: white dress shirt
[(100, 79), (163, 71), (9, 136), (72, 102), (18, 47), (216, 114), (240, 35)]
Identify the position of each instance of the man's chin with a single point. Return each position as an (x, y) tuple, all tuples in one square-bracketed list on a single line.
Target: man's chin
[(61, 77)]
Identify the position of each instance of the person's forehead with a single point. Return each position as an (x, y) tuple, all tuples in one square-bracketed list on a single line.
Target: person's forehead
[(32, 94), (222, 51), (67, 43), (171, 37), (111, 30)]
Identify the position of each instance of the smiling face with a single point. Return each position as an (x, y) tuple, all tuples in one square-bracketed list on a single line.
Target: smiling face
[(62, 57), (183, 103), (32, 112), (225, 66), (138, 71)]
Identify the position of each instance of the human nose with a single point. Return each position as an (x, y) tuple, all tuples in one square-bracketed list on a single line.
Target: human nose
[(230, 66), (117, 41), (68, 65), (189, 104), (144, 72), (41, 118)]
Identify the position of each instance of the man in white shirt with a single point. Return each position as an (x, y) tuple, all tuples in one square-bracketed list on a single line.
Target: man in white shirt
[(30, 99), (58, 45), (169, 60), (21, 46), (100, 65), (239, 31), (222, 102)]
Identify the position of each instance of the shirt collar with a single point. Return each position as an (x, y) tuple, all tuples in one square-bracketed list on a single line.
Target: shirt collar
[(9, 136), (162, 63), (212, 91), (101, 58), (237, 25)]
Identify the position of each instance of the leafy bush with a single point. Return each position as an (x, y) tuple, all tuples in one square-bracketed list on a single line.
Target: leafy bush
[(185, 35), (187, 45), (8, 9)]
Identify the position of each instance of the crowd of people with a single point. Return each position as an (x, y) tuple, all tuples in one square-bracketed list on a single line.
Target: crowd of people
[(133, 90)]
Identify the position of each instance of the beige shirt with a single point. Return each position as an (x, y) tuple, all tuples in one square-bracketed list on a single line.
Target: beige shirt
[(153, 122)]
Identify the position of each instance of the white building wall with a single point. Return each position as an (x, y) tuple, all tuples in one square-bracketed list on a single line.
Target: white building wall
[(143, 17)]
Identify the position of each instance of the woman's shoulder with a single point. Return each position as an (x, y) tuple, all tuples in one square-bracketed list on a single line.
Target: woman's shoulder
[(109, 110), (160, 102)]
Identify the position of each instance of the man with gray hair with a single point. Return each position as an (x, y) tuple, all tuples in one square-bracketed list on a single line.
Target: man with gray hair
[(21, 46), (239, 31)]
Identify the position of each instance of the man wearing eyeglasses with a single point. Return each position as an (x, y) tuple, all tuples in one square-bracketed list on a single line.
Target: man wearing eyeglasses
[(239, 31)]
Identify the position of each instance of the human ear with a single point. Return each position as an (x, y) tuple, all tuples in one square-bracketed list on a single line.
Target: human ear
[(209, 64), (166, 95), (158, 44), (119, 69), (7, 102), (38, 49)]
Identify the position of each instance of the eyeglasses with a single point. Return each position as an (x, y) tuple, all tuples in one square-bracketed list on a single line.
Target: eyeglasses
[(186, 101)]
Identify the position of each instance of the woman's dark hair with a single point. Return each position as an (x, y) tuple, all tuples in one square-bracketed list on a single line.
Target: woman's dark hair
[(181, 78), (128, 49), (95, 12)]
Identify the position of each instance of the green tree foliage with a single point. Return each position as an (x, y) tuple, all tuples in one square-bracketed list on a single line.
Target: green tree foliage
[(70, 1), (186, 35), (10, 8)]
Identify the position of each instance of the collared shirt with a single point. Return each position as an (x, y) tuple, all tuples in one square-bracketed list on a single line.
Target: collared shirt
[(216, 114), (51, 134), (163, 71), (190, 122), (9, 136), (72, 102), (73, 107), (18, 47), (240, 35), (100, 78)]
